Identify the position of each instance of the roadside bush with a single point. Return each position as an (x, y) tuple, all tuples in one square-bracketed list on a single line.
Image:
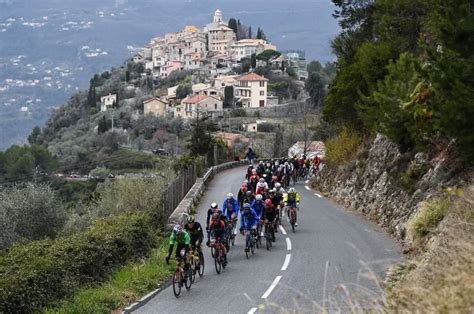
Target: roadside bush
[(29, 212), (428, 218), (343, 147), (265, 127), (238, 112), (40, 273)]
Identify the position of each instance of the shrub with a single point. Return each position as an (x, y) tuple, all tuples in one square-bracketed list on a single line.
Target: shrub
[(238, 112), (427, 219), (340, 149), (40, 273), (29, 212)]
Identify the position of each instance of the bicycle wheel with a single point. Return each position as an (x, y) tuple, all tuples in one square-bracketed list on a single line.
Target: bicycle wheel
[(201, 264), (247, 248), (232, 240), (217, 264), (188, 278), (177, 283), (268, 242), (213, 251)]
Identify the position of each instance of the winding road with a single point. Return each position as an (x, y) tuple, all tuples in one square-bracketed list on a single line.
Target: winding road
[(332, 262)]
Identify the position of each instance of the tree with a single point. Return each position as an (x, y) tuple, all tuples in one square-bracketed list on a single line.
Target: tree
[(268, 55), (315, 88), (246, 64), (314, 66), (253, 60), (30, 211), (102, 126), (201, 141), (250, 32), (233, 26), (261, 34), (183, 91), (229, 96), (35, 136)]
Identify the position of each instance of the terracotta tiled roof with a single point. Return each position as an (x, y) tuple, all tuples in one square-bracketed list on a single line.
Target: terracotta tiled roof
[(195, 99), (251, 77)]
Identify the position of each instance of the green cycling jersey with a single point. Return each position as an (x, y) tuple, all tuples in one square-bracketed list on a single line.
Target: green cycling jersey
[(182, 238)]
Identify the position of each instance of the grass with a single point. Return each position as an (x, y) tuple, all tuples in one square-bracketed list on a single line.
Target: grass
[(428, 218), (342, 148), (127, 285), (443, 281)]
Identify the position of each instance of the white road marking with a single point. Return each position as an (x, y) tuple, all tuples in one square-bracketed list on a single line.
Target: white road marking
[(252, 310), (307, 187), (307, 181), (288, 244), (283, 231), (272, 286), (318, 195), (287, 262)]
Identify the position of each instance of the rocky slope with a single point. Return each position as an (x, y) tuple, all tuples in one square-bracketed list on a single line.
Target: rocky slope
[(388, 185)]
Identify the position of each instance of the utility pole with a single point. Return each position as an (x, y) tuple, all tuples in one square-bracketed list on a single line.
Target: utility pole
[(112, 122)]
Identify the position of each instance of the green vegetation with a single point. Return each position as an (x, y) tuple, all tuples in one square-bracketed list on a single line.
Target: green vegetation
[(343, 147), (29, 212), (39, 274), (125, 286), (413, 84), (18, 163), (428, 218)]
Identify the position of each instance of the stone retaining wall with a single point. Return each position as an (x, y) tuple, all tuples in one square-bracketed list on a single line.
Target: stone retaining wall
[(195, 193)]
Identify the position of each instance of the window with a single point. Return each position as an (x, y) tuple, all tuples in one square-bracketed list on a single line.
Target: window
[(215, 106), (262, 93), (262, 83)]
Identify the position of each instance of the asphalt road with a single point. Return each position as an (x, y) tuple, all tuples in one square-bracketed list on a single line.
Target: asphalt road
[(331, 262)]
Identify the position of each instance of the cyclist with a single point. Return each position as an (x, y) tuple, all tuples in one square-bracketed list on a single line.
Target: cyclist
[(214, 208), (248, 198), (195, 231), (230, 208), (262, 187), (249, 219), (292, 198), (257, 205), (180, 237), (241, 194), (269, 214), (217, 230)]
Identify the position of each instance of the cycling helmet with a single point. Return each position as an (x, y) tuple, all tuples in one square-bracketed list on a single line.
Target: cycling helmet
[(261, 184), (254, 171), (272, 191), (277, 185), (248, 193), (259, 197), (177, 229), (246, 206), (214, 206), (292, 190), (268, 164), (268, 202), (191, 219), (277, 163), (262, 180), (264, 176), (230, 195)]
